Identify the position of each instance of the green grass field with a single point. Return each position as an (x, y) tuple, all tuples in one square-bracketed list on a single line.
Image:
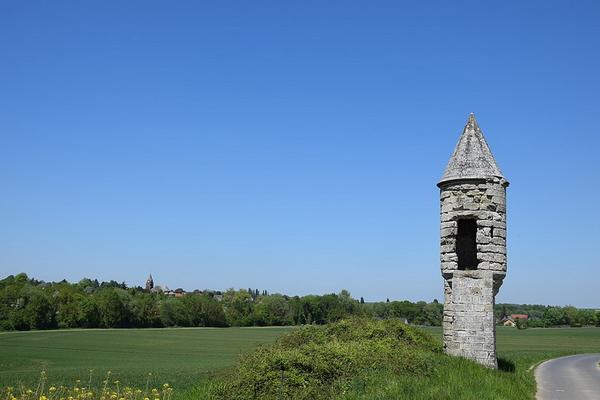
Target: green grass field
[(184, 357), (541, 343), (180, 357)]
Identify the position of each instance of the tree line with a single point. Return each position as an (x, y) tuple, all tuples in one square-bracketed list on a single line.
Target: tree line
[(541, 316), (27, 303)]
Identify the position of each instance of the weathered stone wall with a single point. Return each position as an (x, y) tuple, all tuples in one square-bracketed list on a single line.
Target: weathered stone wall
[(469, 328)]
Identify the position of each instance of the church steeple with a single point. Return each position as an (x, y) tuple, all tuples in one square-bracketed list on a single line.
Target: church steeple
[(149, 283), (472, 158)]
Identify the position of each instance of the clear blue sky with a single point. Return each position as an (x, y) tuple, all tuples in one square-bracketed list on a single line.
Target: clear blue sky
[(294, 146)]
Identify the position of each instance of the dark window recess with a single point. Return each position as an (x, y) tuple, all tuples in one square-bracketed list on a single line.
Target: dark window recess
[(466, 244)]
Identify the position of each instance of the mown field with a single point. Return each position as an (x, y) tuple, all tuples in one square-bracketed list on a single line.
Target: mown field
[(180, 357), (529, 346), (185, 357), (534, 342)]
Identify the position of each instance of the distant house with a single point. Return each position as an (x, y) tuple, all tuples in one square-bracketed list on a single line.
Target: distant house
[(512, 320), (179, 292)]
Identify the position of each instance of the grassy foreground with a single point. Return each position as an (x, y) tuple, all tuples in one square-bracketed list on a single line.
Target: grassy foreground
[(187, 359), (518, 352), (428, 375)]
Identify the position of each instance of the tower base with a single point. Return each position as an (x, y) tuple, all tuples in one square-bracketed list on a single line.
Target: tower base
[(469, 325)]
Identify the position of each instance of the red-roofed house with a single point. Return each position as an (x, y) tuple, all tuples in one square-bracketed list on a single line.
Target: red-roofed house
[(519, 316), (511, 321)]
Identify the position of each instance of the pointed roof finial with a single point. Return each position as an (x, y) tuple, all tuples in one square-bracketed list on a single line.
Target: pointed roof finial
[(472, 158)]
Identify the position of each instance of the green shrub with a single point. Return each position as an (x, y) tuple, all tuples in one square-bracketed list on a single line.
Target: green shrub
[(320, 361), (521, 323)]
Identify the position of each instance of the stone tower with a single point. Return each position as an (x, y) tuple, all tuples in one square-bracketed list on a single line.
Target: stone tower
[(149, 283), (473, 246)]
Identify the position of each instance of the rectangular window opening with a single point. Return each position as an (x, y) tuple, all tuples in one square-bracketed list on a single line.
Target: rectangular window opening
[(466, 244)]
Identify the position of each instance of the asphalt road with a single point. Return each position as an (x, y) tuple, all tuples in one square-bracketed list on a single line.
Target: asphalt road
[(569, 378)]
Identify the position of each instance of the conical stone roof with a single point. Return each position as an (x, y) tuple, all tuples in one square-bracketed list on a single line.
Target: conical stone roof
[(472, 158)]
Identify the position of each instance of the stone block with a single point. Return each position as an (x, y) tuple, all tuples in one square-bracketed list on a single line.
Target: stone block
[(446, 232), (449, 224), (488, 206), (449, 257), (449, 265), (491, 257), (491, 248), (483, 239), (447, 208), (497, 267), (447, 248), (489, 223), (500, 233), (470, 206)]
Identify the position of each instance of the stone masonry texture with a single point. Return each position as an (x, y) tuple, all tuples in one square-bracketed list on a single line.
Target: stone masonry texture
[(478, 194)]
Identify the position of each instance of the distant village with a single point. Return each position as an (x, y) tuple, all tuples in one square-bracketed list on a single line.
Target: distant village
[(513, 320), (179, 292)]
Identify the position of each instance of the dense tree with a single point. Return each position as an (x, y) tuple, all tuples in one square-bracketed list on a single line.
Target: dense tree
[(238, 307), (113, 313), (145, 310), (273, 310), (200, 310), (27, 303), (553, 316), (172, 312), (89, 313), (40, 312)]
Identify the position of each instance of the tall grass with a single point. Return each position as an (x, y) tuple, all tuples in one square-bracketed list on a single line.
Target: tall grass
[(106, 389)]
